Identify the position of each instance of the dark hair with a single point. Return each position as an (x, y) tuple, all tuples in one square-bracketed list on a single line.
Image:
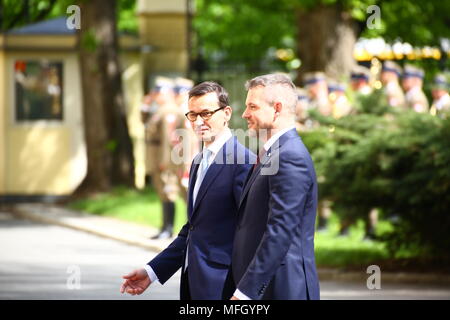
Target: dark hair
[(208, 87)]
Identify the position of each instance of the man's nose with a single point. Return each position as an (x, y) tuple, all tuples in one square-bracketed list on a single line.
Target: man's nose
[(199, 121), (245, 115)]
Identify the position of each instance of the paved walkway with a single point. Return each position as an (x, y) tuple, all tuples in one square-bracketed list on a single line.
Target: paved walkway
[(139, 235)]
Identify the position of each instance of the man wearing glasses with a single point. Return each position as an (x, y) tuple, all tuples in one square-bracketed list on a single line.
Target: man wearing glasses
[(203, 247)]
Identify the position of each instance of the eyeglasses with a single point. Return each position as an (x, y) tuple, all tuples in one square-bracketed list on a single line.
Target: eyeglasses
[(206, 115)]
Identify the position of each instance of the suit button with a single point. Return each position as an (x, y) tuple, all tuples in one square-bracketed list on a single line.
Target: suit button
[(191, 227)]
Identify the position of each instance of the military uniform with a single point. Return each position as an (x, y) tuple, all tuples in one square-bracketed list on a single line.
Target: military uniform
[(148, 109), (391, 88), (302, 122), (163, 124), (340, 105), (189, 145), (441, 98), (415, 97), (316, 85), (161, 140), (359, 80)]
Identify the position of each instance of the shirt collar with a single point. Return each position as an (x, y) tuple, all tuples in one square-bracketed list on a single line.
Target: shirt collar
[(219, 141), (275, 137)]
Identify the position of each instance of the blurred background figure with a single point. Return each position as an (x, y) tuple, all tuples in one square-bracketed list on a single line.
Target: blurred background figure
[(316, 86), (182, 87), (389, 77), (317, 89), (147, 109), (301, 111), (441, 99), (412, 82), (188, 145), (160, 141), (340, 105), (359, 80)]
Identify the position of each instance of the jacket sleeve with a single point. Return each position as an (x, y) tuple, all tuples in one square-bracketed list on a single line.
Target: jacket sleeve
[(289, 188), (168, 261)]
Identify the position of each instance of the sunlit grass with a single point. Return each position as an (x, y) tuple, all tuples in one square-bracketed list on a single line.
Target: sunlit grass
[(139, 206), (333, 250)]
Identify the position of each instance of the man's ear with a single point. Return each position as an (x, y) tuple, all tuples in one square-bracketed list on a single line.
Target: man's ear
[(278, 107), (228, 112)]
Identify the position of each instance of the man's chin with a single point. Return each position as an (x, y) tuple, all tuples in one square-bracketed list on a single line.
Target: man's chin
[(252, 132), (205, 137)]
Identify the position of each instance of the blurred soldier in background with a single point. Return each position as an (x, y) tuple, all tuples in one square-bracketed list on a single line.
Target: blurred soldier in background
[(359, 80), (148, 109), (317, 88), (301, 111), (412, 81), (316, 85), (340, 105), (441, 98), (390, 74), (161, 139), (188, 146), (182, 87)]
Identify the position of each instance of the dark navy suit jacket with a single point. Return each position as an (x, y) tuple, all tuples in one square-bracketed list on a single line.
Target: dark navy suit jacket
[(273, 252), (208, 234)]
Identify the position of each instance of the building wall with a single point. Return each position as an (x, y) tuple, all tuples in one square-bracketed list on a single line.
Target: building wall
[(48, 157), (2, 118), (44, 157), (163, 32)]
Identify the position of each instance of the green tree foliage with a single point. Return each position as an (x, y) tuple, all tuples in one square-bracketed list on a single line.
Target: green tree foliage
[(420, 23), (397, 161), (17, 13), (126, 19), (245, 31), (417, 22)]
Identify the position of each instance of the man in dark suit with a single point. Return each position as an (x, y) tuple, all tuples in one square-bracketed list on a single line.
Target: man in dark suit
[(217, 175), (273, 251)]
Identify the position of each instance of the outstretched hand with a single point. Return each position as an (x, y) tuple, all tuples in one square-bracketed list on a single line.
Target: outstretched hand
[(135, 282)]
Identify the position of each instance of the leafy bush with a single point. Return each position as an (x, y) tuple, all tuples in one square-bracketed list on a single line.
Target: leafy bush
[(394, 160)]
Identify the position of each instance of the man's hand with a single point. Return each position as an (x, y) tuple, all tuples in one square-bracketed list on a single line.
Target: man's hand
[(234, 298), (135, 282)]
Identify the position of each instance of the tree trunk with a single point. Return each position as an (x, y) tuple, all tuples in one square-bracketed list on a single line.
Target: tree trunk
[(326, 38), (109, 148)]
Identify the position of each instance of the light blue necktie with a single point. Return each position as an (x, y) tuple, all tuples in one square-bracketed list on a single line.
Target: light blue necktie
[(198, 182), (204, 164)]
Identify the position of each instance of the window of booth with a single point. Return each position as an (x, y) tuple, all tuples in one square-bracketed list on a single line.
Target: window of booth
[(38, 90)]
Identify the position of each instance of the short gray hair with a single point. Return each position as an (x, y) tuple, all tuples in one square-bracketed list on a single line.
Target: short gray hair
[(288, 98)]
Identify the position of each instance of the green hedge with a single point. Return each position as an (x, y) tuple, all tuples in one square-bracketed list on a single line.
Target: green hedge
[(394, 160)]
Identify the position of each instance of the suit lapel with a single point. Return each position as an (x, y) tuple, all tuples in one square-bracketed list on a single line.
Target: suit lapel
[(213, 171), (255, 174), (192, 178), (264, 160)]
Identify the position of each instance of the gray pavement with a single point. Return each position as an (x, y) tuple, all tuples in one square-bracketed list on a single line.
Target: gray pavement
[(43, 261), (39, 260)]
